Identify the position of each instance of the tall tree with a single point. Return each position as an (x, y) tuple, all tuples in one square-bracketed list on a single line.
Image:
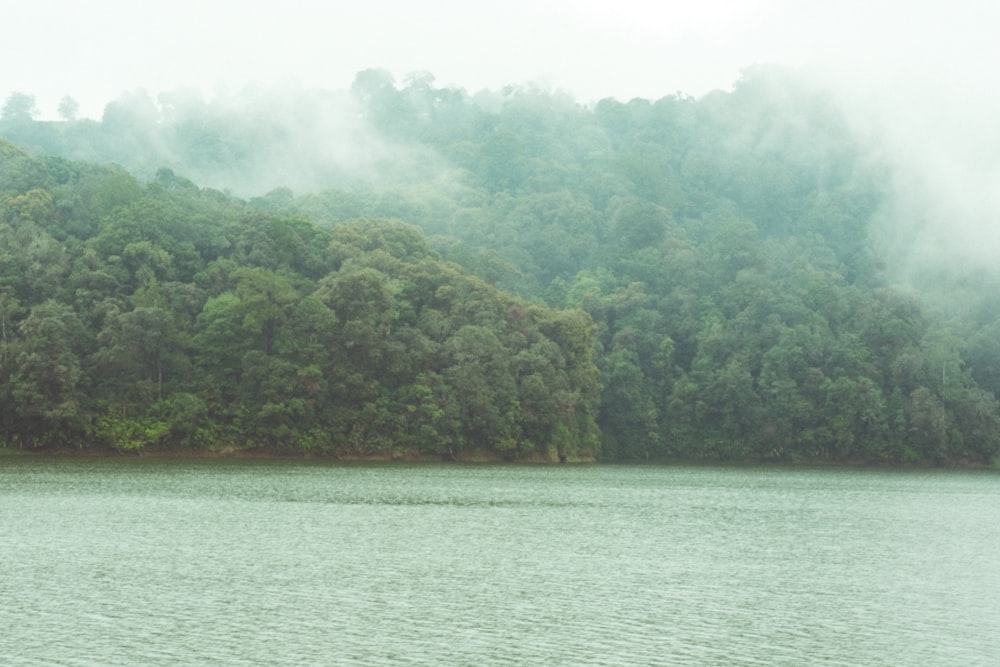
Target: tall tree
[(19, 107)]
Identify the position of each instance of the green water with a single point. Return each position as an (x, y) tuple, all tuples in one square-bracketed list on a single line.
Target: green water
[(153, 562)]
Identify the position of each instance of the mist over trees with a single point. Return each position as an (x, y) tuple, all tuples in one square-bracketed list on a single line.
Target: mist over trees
[(416, 270)]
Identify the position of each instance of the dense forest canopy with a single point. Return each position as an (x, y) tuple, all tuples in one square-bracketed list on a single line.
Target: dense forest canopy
[(411, 270)]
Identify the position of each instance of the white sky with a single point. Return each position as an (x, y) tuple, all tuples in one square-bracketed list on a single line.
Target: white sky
[(591, 48)]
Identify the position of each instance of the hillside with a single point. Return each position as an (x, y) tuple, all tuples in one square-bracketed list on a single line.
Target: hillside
[(417, 270)]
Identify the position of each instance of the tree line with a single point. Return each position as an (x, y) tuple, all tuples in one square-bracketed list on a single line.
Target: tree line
[(163, 316), (672, 279)]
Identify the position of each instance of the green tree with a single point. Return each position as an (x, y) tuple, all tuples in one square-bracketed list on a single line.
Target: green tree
[(364, 302), (69, 108), (220, 343), (35, 205), (266, 301), (19, 107), (47, 382), (137, 349), (929, 428), (479, 373)]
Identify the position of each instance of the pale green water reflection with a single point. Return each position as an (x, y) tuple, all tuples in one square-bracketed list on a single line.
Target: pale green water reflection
[(153, 562)]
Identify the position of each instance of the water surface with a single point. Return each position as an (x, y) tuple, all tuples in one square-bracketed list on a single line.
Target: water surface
[(162, 562)]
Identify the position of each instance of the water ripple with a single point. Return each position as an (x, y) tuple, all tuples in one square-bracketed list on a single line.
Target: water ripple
[(196, 564)]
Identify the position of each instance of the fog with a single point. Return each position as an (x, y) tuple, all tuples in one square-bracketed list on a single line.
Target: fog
[(309, 140), (938, 127), (914, 77), (590, 48)]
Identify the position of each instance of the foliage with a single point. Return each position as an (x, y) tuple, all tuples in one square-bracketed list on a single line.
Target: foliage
[(671, 279), (261, 332)]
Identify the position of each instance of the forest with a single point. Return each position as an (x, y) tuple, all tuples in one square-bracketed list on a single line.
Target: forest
[(409, 271)]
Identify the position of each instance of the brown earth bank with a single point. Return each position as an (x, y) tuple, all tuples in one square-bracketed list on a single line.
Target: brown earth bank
[(474, 456)]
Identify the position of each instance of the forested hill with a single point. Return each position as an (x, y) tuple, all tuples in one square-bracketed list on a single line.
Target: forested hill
[(162, 316), (692, 279)]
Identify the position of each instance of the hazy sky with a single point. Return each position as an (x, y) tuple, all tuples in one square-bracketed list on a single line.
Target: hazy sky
[(592, 48), (920, 73)]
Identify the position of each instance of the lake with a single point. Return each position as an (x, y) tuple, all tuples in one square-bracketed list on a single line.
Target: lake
[(132, 561)]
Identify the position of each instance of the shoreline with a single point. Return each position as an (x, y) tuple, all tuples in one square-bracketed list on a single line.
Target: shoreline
[(474, 457)]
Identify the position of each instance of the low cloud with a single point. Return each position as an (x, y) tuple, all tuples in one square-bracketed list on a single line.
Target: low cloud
[(264, 137), (917, 85)]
